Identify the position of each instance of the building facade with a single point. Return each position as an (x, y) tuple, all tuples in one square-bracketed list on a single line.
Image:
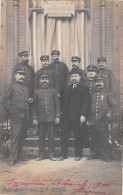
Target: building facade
[(87, 28)]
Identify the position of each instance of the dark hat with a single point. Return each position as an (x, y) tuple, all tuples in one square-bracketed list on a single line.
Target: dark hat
[(91, 68), (76, 71), (75, 58), (98, 77), (23, 53), (55, 52), (19, 69), (44, 57), (101, 59), (44, 75)]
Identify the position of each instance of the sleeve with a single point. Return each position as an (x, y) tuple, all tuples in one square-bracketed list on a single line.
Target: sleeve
[(36, 82), (111, 104), (86, 101), (31, 90), (56, 82), (112, 83), (57, 104), (66, 71), (5, 96), (35, 106)]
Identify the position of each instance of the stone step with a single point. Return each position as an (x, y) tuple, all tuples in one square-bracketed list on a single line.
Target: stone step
[(33, 151)]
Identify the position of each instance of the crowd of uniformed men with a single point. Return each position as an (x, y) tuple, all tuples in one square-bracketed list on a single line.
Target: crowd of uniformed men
[(76, 100)]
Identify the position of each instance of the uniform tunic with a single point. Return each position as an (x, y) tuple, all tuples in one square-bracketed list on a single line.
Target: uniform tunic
[(18, 96)]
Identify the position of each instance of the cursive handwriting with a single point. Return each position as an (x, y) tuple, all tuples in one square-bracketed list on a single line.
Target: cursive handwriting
[(57, 182)]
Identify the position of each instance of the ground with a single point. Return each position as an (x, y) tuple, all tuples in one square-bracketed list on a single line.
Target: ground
[(61, 177)]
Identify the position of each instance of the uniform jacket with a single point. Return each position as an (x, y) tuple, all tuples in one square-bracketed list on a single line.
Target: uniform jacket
[(18, 96), (101, 103), (53, 82), (91, 85), (109, 80), (62, 72), (29, 77), (46, 105), (76, 102)]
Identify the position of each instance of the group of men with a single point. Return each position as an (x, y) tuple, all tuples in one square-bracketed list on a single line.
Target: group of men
[(54, 95)]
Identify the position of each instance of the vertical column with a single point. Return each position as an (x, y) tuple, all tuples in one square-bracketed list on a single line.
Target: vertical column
[(16, 29), (102, 27)]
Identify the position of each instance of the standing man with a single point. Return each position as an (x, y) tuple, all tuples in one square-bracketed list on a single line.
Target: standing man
[(76, 105), (91, 73), (102, 105), (53, 81), (46, 115), (29, 73), (18, 96), (109, 79), (62, 72)]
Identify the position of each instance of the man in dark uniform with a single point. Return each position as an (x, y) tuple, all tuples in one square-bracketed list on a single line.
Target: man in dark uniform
[(76, 64), (76, 106), (53, 82), (91, 73), (109, 79), (29, 73), (46, 114), (18, 96), (62, 72), (102, 105)]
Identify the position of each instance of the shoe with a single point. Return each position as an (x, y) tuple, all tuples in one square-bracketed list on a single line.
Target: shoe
[(39, 158), (22, 159), (77, 158), (62, 158), (53, 159), (12, 163)]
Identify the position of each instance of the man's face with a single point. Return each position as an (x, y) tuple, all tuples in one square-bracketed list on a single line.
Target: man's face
[(56, 58), (45, 63), (75, 78), (91, 74), (44, 81), (75, 63), (99, 84), (24, 58), (19, 77), (102, 64)]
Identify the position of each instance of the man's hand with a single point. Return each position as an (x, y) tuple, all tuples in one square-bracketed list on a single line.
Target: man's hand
[(35, 122), (30, 100), (57, 121), (108, 115), (82, 119), (88, 123)]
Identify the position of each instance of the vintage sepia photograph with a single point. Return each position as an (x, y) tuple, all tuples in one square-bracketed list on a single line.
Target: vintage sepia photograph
[(61, 97)]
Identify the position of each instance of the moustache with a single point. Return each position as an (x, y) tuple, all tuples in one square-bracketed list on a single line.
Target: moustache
[(56, 60), (74, 66), (99, 85)]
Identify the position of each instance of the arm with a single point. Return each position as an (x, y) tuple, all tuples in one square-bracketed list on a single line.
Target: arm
[(86, 102), (57, 106), (56, 82), (35, 121), (31, 90), (112, 82), (5, 96)]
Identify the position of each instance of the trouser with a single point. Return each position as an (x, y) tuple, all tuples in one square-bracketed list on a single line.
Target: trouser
[(49, 128), (78, 133), (18, 132), (100, 141)]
